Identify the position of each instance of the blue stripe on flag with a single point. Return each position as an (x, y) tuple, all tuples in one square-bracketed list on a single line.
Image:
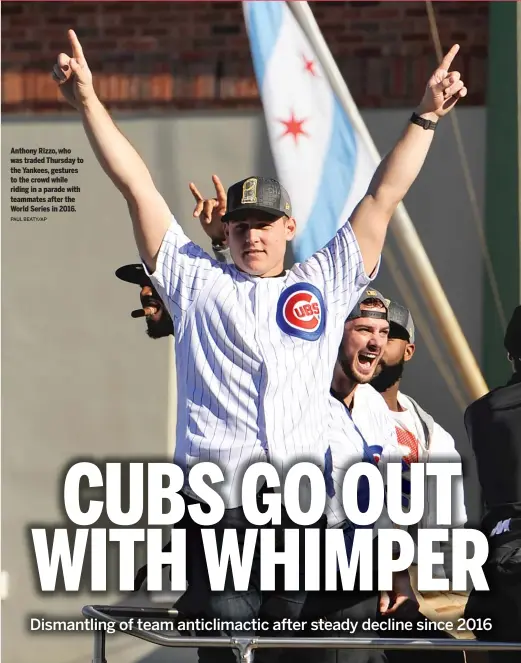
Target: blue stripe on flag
[(335, 184), (265, 21)]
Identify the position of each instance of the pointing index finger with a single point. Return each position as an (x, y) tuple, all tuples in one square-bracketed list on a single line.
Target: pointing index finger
[(449, 57), (195, 192), (219, 190), (77, 51)]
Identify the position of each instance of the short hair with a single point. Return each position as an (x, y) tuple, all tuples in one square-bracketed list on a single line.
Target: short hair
[(372, 302)]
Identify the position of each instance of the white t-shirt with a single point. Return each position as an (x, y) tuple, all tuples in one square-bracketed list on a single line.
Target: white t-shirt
[(411, 438), (416, 448), (255, 356), (410, 434)]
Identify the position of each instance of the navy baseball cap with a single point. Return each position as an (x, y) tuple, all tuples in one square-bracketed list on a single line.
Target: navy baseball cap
[(133, 274), (369, 293), (259, 194), (401, 317)]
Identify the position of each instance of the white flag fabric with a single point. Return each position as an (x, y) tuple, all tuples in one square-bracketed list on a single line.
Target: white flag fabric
[(319, 157)]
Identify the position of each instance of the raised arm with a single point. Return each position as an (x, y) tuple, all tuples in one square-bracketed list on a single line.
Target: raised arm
[(399, 169), (150, 214)]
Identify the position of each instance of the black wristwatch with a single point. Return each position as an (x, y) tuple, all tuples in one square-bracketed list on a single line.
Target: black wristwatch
[(219, 245), (422, 122)]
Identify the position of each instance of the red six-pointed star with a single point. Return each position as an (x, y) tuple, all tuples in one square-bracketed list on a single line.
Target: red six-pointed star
[(309, 65), (293, 127)]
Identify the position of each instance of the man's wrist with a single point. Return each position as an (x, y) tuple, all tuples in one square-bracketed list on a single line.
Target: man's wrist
[(90, 103), (427, 115)]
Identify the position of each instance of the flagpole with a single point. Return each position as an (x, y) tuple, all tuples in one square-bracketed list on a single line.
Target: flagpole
[(408, 240)]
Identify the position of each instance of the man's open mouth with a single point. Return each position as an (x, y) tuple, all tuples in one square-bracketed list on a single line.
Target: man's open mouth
[(367, 359)]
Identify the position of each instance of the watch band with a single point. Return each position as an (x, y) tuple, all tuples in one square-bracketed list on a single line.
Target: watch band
[(422, 122), (220, 246)]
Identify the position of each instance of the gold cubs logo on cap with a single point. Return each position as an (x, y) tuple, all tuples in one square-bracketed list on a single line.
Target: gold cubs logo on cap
[(249, 191)]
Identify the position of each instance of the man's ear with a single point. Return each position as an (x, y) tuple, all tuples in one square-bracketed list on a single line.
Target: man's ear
[(226, 228), (409, 351), (291, 227)]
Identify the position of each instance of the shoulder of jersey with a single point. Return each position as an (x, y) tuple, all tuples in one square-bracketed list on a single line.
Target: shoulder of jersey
[(372, 397)]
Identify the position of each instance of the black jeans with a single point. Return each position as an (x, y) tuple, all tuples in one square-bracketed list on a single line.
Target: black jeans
[(417, 633), (358, 606), (336, 606), (200, 601)]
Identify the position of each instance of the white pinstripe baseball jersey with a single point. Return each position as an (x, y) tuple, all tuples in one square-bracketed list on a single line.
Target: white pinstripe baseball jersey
[(255, 356), (367, 434)]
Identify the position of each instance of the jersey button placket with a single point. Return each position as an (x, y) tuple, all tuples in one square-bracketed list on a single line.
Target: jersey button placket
[(258, 299)]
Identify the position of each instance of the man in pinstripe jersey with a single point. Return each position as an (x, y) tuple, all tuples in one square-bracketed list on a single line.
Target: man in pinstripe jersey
[(365, 335), (255, 344), (369, 437), (362, 428)]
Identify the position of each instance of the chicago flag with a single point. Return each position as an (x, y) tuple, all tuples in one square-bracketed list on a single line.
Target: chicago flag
[(319, 157)]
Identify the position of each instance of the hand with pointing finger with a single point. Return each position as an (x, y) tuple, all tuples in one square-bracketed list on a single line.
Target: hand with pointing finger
[(444, 89), (211, 210), (73, 74)]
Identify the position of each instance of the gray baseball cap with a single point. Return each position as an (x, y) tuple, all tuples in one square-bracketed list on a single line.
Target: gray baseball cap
[(369, 293), (260, 194), (401, 316)]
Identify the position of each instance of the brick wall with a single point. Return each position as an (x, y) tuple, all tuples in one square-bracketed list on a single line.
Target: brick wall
[(196, 54)]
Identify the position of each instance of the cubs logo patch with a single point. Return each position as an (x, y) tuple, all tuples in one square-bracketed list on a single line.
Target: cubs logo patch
[(301, 311), (372, 453)]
